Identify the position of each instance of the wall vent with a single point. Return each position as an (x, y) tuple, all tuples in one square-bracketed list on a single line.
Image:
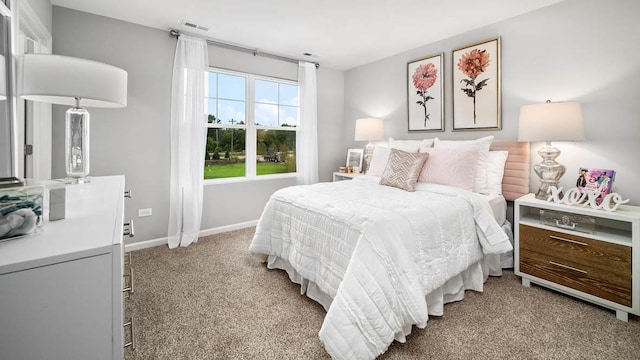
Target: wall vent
[(194, 26)]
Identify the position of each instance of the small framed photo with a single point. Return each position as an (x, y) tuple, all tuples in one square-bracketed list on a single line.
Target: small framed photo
[(595, 181), (477, 103), (425, 94), (354, 158)]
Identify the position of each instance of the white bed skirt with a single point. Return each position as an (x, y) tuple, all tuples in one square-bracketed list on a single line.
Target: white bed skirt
[(472, 278), (506, 259), (453, 290)]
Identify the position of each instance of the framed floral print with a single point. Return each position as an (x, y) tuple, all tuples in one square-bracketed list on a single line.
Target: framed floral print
[(476, 87), (425, 94)]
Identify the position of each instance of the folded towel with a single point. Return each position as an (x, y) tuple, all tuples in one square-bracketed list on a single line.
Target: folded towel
[(19, 222), (9, 204)]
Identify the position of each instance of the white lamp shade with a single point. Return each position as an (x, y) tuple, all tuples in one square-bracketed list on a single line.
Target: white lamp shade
[(60, 79), (561, 121), (369, 129)]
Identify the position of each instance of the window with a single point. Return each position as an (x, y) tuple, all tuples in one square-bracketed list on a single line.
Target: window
[(252, 125)]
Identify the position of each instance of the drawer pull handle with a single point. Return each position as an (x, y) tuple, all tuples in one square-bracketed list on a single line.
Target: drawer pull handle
[(129, 232), (130, 276), (567, 240), (567, 267), (565, 225), (131, 343)]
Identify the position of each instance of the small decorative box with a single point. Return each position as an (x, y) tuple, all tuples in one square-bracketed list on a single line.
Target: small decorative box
[(568, 221)]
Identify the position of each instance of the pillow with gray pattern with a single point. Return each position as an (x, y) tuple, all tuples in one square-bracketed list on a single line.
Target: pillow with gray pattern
[(403, 169)]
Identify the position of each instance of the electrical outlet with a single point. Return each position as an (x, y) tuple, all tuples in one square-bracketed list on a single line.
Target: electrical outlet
[(144, 212)]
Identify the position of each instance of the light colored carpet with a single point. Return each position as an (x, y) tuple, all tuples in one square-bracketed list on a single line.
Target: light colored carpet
[(214, 300)]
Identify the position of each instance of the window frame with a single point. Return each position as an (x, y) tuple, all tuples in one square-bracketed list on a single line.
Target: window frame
[(251, 137)]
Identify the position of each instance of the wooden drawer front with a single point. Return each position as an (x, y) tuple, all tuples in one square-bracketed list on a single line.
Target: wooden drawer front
[(594, 281), (613, 258)]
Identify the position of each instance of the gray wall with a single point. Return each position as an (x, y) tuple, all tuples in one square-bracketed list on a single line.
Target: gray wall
[(575, 50), (134, 141)]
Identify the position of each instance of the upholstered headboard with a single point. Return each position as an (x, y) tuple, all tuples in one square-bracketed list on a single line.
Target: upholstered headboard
[(515, 182)]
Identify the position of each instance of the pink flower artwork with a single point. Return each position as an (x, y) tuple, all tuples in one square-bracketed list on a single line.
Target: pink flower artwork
[(424, 78), (472, 64)]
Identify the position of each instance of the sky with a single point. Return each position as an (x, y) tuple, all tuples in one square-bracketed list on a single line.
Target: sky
[(276, 104)]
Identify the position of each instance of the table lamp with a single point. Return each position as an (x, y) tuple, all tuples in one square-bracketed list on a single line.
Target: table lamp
[(77, 82), (369, 129), (559, 121)]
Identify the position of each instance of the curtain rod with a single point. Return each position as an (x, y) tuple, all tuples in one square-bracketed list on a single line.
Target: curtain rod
[(255, 52)]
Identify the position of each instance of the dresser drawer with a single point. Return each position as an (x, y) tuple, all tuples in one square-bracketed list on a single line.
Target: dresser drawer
[(594, 281), (609, 257)]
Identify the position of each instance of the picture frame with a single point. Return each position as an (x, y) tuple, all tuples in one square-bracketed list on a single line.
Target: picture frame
[(354, 158), (595, 180), (476, 79), (425, 94)]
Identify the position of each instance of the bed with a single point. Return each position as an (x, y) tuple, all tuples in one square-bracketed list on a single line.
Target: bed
[(380, 259)]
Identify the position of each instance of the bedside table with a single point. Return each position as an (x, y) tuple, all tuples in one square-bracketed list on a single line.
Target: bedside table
[(339, 176), (602, 267)]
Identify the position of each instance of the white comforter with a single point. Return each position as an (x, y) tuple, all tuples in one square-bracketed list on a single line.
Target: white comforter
[(377, 251)]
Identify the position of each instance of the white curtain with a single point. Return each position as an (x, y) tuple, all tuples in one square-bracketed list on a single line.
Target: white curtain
[(307, 140), (188, 139)]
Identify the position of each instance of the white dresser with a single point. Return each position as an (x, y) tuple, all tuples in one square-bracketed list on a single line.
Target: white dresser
[(61, 290)]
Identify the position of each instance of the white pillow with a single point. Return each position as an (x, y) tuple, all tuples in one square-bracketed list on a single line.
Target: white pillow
[(410, 145), (495, 170), (454, 166), (483, 156), (379, 160)]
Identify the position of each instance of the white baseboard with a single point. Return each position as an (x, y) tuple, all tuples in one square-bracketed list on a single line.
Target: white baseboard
[(145, 244), (163, 241), (226, 228)]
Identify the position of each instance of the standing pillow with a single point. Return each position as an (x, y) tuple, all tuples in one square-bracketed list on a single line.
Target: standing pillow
[(403, 169), (480, 185), (379, 160), (451, 166), (495, 170), (410, 145)]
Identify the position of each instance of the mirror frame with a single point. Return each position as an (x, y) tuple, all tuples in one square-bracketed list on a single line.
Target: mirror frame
[(11, 175)]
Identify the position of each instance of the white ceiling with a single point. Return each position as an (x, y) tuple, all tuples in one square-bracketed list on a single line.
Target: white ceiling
[(341, 34)]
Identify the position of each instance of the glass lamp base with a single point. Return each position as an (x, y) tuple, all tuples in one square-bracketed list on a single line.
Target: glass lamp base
[(76, 144), (549, 170), (77, 180), (367, 157)]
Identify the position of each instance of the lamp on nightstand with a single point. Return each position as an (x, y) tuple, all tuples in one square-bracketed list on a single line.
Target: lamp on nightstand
[(369, 129), (561, 121)]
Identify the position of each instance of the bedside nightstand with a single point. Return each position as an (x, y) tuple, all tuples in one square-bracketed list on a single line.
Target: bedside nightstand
[(602, 267), (339, 176)]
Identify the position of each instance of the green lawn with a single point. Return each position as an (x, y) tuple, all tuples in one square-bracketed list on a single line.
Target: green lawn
[(237, 169)]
